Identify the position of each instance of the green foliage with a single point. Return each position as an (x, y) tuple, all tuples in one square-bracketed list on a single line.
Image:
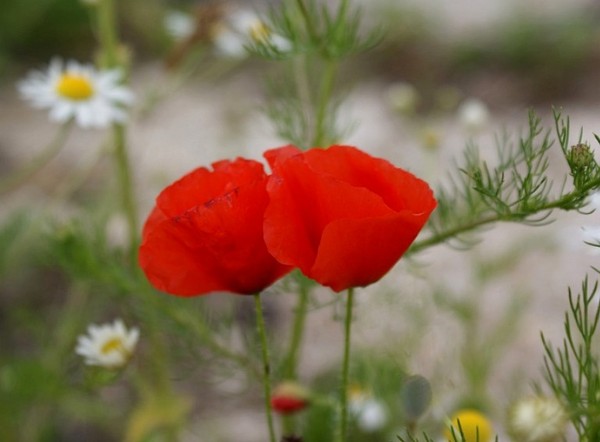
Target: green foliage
[(572, 369), (515, 188), (44, 28)]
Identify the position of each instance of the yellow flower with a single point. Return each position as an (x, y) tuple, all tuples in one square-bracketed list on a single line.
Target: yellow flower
[(469, 426)]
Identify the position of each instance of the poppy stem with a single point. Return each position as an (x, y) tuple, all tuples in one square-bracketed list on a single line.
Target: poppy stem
[(346, 367), (262, 333), (291, 360)]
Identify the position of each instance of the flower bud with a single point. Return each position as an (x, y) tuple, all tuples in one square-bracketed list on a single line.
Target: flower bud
[(581, 156), (289, 398)]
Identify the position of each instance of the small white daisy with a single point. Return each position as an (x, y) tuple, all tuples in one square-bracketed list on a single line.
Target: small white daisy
[(107, 345), (73, 90), (241, 28)]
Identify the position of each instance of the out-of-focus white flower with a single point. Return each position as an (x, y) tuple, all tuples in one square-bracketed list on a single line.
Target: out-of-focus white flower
[(403, 97), (107, 345), (473, 114), (179, 25), (370, 414), (242, 28), (73, 90), (537, 419)]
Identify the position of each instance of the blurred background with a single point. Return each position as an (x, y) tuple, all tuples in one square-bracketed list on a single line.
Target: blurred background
[(444, 74)]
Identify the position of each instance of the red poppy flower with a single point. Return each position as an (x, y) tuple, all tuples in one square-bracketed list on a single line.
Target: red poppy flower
[(340, 215), (206, 233)]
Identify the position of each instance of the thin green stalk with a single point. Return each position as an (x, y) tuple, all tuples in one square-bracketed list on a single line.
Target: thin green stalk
[(291, 360), (560, 203), (310, 28), (126, 188), (107, 33), (262, 332), (21, 176), (325, 93), (109, 45), (346, 368)]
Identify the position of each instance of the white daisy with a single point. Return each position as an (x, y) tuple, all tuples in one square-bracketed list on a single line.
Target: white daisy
[(242, 28), (107, 345), (72, 90)]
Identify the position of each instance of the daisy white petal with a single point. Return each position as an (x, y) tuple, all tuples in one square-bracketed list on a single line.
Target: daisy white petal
[(108, 345), (76, 91)]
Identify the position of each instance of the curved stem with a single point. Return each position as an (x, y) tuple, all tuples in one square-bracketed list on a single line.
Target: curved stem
[(21, 176), (346, 368), (262, 333)]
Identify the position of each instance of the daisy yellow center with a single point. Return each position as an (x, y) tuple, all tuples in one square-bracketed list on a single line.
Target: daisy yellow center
[(114, 344), (260, 32), (74, 87)]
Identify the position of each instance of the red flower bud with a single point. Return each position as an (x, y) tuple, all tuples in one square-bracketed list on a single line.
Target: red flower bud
[(340, 215), (206, 233), (289, 398)]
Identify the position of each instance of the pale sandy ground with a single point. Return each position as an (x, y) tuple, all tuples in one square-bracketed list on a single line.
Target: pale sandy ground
[(201, 123)]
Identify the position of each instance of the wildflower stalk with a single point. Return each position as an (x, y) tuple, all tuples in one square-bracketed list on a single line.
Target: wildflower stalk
[(109, 45), (126, 186), (517, 189), (564, 202), (326, 91), (346, 369), (291, 359), (21, 176), (262, 333)]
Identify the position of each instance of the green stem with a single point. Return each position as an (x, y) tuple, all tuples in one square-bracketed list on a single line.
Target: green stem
[(21, 176), (325, 93), (346, 368), (107, 34), (109, 45), (260, 325), (291, 360), (126, 187), (312, 32), (563, 203)]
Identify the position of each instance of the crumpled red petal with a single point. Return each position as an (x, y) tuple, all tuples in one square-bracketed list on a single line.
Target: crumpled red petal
[(206, 233)]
